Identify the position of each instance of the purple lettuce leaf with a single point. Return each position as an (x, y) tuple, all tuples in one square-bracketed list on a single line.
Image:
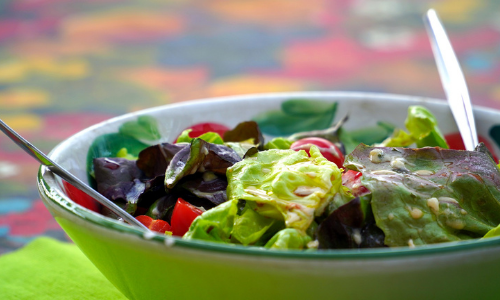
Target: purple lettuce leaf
[(119, 180), (349, 226), (245, 131), (153, 191), (210, 187), (154, 160), (201, 156), (162, 208)]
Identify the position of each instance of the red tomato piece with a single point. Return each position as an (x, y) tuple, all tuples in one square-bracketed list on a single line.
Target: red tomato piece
[(145, 220), (201, 128), (327, 149), (352, 180), (160, 226), (183, 215), (454, 140), (154, 225), (81, 198)]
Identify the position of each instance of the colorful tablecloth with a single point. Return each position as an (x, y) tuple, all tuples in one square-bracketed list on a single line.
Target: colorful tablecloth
[(65, 65)]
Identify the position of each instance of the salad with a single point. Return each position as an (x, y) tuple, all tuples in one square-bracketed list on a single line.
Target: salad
[(320, 189)]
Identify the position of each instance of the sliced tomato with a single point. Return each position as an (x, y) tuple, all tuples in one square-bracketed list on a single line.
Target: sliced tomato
[(154, 225), (454, 140), (183, 215), (352, 180), (327, 149), (145, 220), (201, 128), (81, 198)]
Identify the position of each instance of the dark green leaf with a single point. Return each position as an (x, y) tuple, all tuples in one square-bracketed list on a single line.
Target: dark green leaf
[(297, 116), (108, 145), (371, 135), (278, 123), (145, 128), (308, 108)]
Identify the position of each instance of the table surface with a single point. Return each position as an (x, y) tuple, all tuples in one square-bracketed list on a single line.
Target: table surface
[(65, 65)]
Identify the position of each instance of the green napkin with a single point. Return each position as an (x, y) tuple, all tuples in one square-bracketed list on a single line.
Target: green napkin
[(50, 269)]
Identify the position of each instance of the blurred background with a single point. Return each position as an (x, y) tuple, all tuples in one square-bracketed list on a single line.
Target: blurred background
[(65, 65)]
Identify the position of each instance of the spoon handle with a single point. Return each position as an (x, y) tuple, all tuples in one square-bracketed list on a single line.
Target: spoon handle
[(64, 174), (452, 79)]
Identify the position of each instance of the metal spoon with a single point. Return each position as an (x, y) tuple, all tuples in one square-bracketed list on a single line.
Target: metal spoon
[(64, 174), (452, 79)]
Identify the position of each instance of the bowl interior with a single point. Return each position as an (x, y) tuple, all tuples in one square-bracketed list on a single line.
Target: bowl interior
[(305, 111)]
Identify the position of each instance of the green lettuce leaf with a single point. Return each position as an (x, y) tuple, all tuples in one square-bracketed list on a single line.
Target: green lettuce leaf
[(429, 195), (422, 129), (215, 224), (241, 148), (281, 189), (250, 227), (278, 143), (225, 223), (209, 137), (286, 185), (289, 238), (493, 232)]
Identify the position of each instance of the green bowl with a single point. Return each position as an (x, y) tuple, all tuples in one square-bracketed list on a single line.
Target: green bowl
[(152, 266)]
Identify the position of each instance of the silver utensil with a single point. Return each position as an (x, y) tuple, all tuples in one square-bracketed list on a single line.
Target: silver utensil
[(64, 174), (452, 79)]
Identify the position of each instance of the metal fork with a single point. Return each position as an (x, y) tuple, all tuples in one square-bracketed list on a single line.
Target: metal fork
[(452, 79), (66, 175)]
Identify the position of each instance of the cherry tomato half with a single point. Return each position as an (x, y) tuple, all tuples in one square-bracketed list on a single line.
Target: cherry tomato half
[(454, 140), (327, 149), (352, 180), (183, 215), (201, 128), (81, 198), (154, 225)]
